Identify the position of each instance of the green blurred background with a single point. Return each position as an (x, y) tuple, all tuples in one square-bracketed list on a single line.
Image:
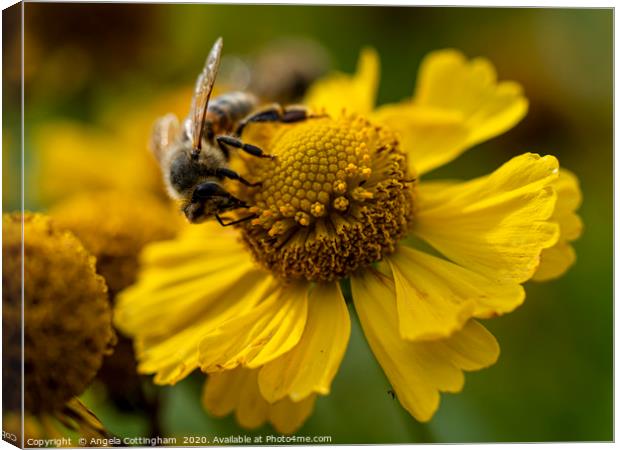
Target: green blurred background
[(553, 381)]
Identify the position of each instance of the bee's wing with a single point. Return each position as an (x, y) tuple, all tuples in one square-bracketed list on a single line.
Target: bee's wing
[(165, 131), (204, 86)]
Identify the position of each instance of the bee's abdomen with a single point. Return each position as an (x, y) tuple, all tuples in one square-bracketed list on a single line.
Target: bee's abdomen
[(226, 110)]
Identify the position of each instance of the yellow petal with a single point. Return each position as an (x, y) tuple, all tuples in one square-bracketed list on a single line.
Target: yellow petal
[(222, 391), (186, 288), (288, 416), (260, 334), (237, 390), (418, 371), (172, 356), (179, 279), (496, 225), (75, 414), (435, 297), (91, 159), (152, 308), (434, 191), (252, 410), (569, 193), (353, 93), (431, 137), (312, 364), (448, 81), (555, 261)]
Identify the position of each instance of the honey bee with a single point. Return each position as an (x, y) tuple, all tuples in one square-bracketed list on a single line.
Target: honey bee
[(194, 157)]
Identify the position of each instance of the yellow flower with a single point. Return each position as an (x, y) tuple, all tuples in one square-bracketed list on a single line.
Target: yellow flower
[(73, 157), (260, 308), (114, 226), (100, 181), (67, 317)]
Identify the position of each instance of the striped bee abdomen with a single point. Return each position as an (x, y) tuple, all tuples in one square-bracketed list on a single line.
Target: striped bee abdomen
[(225, 110)]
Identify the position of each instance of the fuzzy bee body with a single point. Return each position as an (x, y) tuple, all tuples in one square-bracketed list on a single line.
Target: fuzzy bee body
[(194, 158)]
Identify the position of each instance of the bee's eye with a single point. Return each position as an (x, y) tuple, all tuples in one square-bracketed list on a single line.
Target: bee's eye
[(206, 190)]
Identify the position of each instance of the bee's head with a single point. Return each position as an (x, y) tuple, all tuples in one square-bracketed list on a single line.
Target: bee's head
[(184, 172), (210, 198)]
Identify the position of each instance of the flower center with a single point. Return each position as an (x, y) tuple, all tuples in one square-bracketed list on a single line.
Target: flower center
[(68, 321), (337, 197)]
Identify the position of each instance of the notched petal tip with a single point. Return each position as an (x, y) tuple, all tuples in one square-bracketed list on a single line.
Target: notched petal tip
[(237, 391), (448, 81), (418, 371), (557, 259), (496, 225)]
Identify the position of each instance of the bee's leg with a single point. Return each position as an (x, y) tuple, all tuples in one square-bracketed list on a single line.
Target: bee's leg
[(275, 113), (248, 148), (272, 113), (232, 175), (234, 222), (296, 113)]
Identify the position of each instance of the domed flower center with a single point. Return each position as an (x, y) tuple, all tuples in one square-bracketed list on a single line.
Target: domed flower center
[(337, 197), (67, 316)]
